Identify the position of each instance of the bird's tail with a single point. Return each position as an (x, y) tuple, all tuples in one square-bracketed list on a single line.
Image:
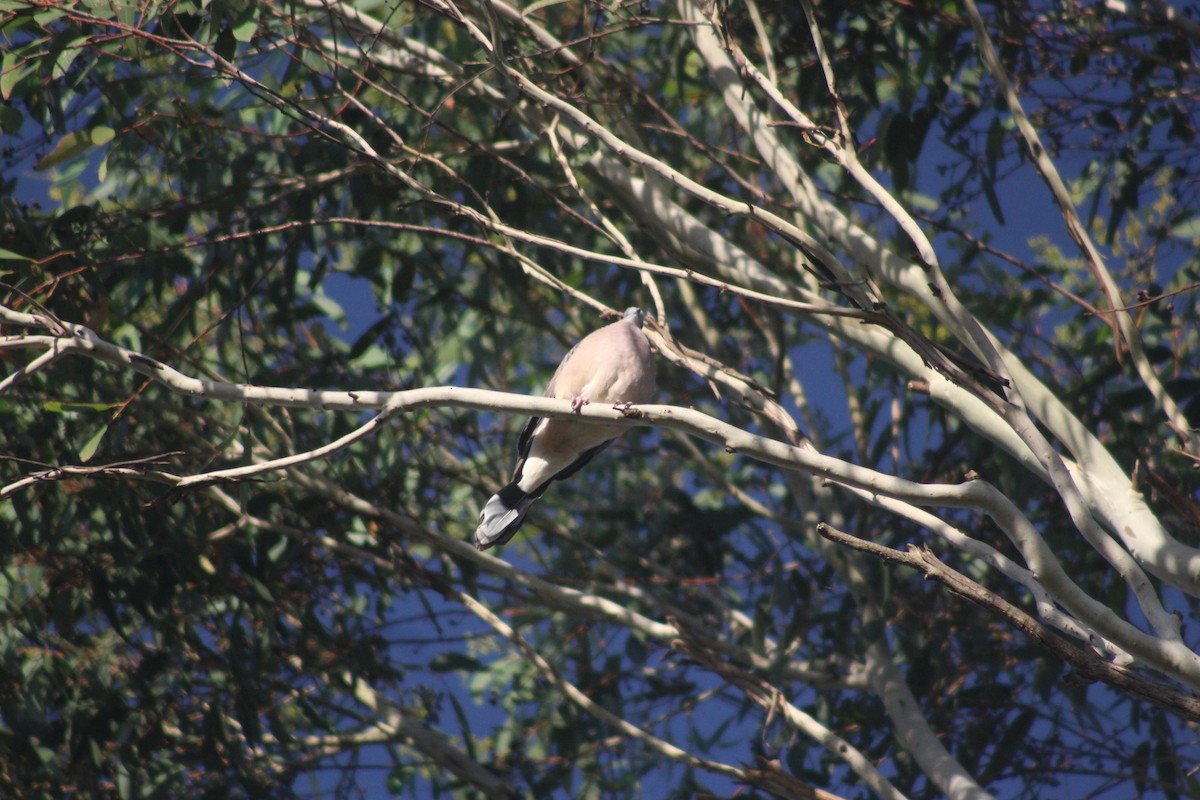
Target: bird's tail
[(502, 516)]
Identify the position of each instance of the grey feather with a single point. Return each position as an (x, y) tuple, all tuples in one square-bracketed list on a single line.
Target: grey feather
[(610, 365)]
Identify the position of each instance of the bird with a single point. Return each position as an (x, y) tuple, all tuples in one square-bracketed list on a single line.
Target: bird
[(610, 365)]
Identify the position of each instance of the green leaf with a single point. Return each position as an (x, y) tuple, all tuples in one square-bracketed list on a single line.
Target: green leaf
[(9, 255), (44, 18), (102, 135), (124, 783), (993, 200), (89, 447), (330, 308), (260, 589), (276, 551), (60, 407), (1188, 229), (374, 357), (11, 73), (246, 25), (68, 147), (454, 662), (68, 52)]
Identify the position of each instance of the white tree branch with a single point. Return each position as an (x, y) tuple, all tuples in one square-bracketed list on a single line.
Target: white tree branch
[(954, 315), (1114, 499), (1117, 314), (1168, 655), (396, 724), (572, 693)]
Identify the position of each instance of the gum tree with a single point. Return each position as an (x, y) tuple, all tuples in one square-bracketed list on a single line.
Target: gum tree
[(916, 516)]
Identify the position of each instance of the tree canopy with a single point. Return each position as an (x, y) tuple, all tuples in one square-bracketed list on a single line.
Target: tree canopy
[(916, 512)]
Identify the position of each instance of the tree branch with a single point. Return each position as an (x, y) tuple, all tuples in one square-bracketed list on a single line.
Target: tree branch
[(1169, 655), (1119, 320), (1090, 666)]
